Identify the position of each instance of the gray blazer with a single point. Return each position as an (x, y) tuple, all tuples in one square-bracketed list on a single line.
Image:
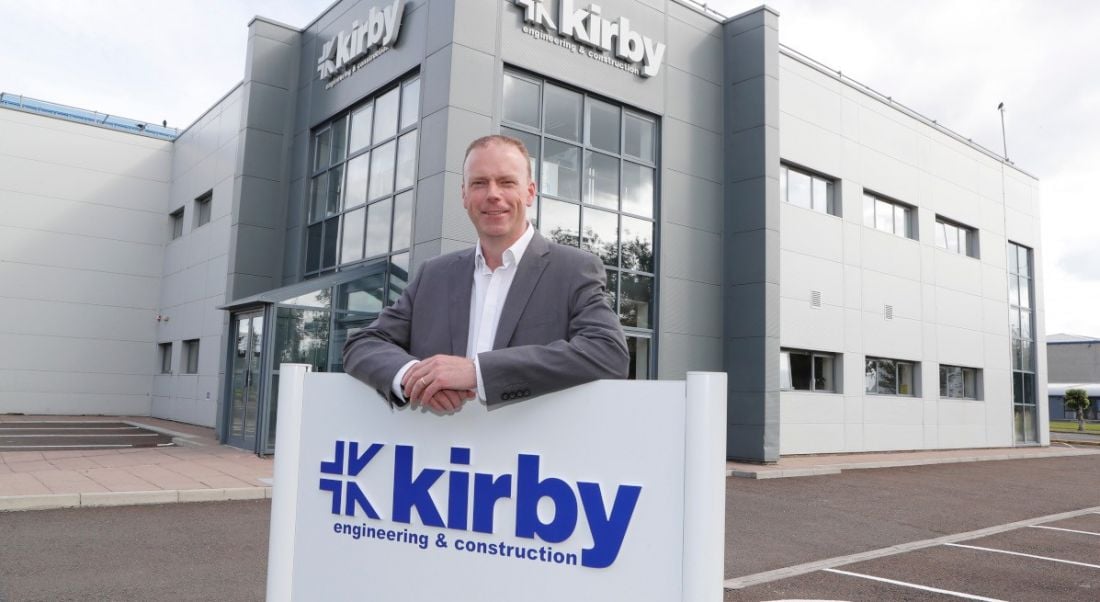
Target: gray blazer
[(556, 328)]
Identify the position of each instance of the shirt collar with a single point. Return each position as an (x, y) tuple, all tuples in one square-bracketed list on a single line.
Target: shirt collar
[(512, 255)]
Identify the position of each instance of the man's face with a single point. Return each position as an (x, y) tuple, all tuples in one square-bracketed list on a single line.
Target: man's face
[(496, 192)]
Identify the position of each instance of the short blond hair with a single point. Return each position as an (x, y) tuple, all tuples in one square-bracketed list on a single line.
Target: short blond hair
[(515, 143)]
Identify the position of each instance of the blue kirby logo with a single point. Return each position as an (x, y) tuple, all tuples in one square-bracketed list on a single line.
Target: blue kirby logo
[(474, 510)]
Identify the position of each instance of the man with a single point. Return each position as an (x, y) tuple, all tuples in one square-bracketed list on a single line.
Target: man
[(514, 317)]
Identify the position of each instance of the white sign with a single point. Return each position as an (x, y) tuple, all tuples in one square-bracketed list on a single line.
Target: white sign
[(344, 54), (610, 491), (587, 26)]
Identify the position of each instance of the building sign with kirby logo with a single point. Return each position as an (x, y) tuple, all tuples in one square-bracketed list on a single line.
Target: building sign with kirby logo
[(348, 52)]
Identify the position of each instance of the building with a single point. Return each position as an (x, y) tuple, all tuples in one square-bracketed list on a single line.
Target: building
[(1074, 364), (869, 279)]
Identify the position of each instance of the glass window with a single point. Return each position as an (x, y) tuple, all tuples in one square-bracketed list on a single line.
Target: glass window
[(318, 197), (521, 100), (637, 244), (635, 298), (958, 382), (165, 350), (785, 380), (335, 190), (560, 222), (313, 247), (202, 208), (191, 356), (328, 251), (637, 189), (530, 141), (351, 246), (799, 189), (888, 216), (561, 170), (410, 103), (360, 128), (378, 227), (956, 238), (339, 140), (176, 219), (807, 190), (601, 125), (889, 377), (640, 138), (323, 150), (355, 191), (806, 370), (601, 180), (406, 161), (823, 202), (402, 221), (381, 171), (562, 113), (638, 347), (601, 235), (385, 115)]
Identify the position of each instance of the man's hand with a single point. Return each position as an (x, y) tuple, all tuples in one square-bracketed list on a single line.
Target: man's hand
[(441, 382)]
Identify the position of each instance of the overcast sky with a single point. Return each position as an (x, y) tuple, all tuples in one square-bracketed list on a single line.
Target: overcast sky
[(952, 61)]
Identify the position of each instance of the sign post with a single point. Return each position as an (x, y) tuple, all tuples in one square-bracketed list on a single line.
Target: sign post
[(610, 490)]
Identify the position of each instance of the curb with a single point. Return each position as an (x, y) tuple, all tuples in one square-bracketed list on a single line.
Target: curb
[(56, 501), (782, 473)]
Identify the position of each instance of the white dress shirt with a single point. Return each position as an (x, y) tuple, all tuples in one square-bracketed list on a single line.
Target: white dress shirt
[(486, 303)]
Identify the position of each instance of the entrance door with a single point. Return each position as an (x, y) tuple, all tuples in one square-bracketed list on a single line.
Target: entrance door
[(244, 400)]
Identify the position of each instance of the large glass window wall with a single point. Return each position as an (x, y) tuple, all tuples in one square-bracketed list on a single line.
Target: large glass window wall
[(595, 163), (1021, 319), (362, 184)]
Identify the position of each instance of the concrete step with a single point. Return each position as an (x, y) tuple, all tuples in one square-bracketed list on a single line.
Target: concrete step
[(43, 436)]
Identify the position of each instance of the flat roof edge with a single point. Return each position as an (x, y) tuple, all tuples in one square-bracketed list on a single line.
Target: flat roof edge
[(210, 108), (273, 22), (890, 102)]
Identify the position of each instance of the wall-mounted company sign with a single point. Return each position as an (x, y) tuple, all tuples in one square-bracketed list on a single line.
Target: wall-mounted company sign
[(613, 490), (586, 31), (348, 52)]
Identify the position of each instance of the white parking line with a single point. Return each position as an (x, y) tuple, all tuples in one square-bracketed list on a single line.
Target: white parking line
[(1063, 561), (914, 586), (1066, 530)]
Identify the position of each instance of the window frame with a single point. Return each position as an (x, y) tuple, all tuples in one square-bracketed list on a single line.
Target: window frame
[(945, 391), (785, 353), (911, 221), (190, 359), (832, 206), (914, 371), (203, 208), (175, 225), (972, 242), (165, 351)]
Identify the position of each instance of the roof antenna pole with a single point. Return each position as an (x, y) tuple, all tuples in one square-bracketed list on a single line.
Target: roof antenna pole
[(1004, 141)]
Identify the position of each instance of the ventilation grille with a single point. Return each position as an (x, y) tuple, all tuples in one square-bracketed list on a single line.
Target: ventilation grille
[(815, 299), (888, 311)]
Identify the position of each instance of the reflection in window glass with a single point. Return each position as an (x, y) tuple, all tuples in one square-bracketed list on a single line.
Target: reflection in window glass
[(335, 188), (635, 297), (884, 216), (532, 143), (302, 337), (406, 161), (378, 228), (323, 149), (601, 125), (410, 103), (355, 192), (901, 220), (339, 140), (563, 113), (381, 170), (639, 357), (313, 247), (601, 180), (385, 115), (637, 189), (613, 290), (785, 381), (521, 100), (402, 220), (399, 277), (360, 128), (601, 235), (351, 245), (637, 244), (798, 189), (639, 138), (561, 170), (560, 222), (318, 197), (328, 254)]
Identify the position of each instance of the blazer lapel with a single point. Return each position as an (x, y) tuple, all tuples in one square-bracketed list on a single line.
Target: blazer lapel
[(461, 285), (528, 272)]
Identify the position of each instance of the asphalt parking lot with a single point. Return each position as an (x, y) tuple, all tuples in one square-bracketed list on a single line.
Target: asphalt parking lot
[(1014, 530)]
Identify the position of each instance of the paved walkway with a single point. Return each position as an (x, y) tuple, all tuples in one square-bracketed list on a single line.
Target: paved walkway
[(199, 469), (803, 466), (196, 469)]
